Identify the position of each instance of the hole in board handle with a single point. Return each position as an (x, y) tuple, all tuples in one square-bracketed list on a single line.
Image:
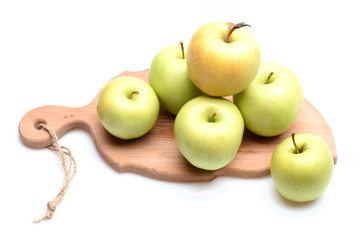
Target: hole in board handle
[(38, 123)]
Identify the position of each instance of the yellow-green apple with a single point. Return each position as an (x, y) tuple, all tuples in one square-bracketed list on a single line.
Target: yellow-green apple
[(272, 101), (169, 77), (223, 58), (127, 107), (209, 131), (301, 167)]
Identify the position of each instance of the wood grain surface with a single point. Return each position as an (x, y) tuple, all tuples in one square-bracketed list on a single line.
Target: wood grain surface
[(156, 154)]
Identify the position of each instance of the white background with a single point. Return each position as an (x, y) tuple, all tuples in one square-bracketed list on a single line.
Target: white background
[(63, 52)]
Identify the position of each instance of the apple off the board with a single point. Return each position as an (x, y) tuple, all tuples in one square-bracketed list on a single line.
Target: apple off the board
[(156, 154)]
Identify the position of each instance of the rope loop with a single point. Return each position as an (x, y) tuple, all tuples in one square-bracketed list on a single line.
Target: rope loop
[(69, 170)]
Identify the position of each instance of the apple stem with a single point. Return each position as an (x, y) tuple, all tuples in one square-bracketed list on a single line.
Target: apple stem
[(268, 78), (236, 26), (212, 118), (293, 139), (182, 49), (132, 93)]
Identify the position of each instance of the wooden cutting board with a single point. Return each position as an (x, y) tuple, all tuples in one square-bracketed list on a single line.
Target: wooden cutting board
[(156, 154)]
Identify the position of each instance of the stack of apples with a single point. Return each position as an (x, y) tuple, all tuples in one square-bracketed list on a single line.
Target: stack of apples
[(216, 86)]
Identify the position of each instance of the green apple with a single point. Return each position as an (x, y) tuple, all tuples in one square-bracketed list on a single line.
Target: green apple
[(272, 101), (169, 78), (301, 167), (209, 131), (223, 58), (127, 107)]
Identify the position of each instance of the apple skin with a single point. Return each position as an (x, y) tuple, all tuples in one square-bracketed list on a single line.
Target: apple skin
[(219, 68), (304, 176), (126, 115), (169, 78), (269, 109), (205, 144)]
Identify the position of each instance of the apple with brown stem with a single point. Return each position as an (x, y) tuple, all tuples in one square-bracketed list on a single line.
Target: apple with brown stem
[(223, 58), (169, 78), (301, 167)]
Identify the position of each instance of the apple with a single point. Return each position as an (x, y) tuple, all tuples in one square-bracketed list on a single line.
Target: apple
[(223, 58), (169, 78), (127, 107), (272, 101), (301, 167), (209, 131)]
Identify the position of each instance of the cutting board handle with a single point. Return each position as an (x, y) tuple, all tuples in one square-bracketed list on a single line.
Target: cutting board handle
[(60, 119)]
